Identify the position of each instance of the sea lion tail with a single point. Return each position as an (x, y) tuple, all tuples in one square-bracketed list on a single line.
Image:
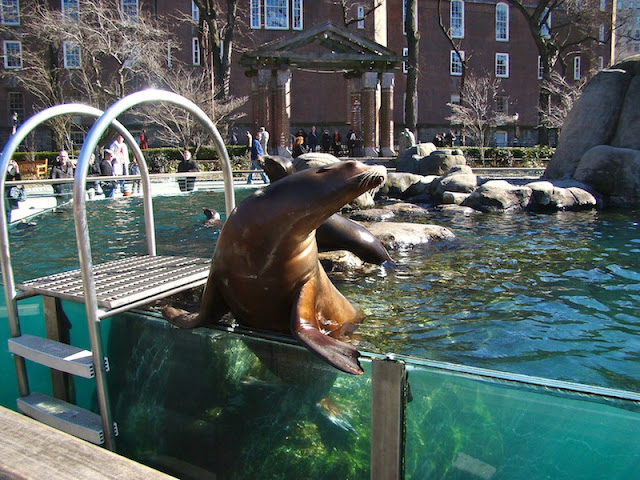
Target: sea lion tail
[(181, 318)]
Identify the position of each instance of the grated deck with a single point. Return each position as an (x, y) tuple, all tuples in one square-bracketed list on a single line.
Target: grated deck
[(125, 281)]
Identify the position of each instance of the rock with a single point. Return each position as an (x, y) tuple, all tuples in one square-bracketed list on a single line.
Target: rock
[(439, 162), (613, 172), (372, 215), (592, 121), (459, 179), (406, 209), (629, 123), (498, 196), (548, 197), (454, 198), (408, 161), (404, 185), (394, 235), (406, 139), (458, 210), (339, 261)]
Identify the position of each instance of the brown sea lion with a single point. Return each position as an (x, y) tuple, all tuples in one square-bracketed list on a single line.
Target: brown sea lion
[(213, 218), (265, 268), (337, 232)]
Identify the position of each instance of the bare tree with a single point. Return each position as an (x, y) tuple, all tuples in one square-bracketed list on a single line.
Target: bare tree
[(476, 114), (413, 50), (348, 17), (563, 95)]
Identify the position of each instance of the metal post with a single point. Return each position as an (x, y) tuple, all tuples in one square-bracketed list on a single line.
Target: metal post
[(388, 400)]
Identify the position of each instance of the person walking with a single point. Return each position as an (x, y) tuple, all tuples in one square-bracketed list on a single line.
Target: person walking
[(62, 168), (256, 151)]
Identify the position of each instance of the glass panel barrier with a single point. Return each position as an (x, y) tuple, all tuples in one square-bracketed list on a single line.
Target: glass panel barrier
[(202, 402), (461, 425)]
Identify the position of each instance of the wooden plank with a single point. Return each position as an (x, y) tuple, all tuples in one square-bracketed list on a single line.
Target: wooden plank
[(29, 449), (57, 328)]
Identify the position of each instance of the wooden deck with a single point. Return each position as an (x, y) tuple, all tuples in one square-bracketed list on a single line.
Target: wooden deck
[(32, 450)]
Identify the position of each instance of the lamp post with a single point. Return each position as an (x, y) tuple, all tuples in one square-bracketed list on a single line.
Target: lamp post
[(516, 116)]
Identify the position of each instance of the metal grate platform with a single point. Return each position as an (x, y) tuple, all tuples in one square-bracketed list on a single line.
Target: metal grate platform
[(125, 281)]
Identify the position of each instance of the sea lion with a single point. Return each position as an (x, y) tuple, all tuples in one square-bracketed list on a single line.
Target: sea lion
[(265, 268), (213, 218), (337, 232)]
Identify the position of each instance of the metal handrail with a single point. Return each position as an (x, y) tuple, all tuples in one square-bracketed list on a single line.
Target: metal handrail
[(8, 280), (82, 228)]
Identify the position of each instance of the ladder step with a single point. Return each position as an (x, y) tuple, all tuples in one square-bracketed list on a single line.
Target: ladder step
[(56, 355), (64, 416)]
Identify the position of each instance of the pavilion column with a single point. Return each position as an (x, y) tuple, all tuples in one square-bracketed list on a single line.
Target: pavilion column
[(282, 113), (262, 100), (386, 115), (369, 117), (355, 102)]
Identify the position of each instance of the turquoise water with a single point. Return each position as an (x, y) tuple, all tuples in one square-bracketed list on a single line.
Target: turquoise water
[(547, 295), (554, 295)]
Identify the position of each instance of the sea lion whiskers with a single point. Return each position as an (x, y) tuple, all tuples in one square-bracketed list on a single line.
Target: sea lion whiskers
[(371, 176)]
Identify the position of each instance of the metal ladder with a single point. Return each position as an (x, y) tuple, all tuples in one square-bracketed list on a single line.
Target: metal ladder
[(105, 289)]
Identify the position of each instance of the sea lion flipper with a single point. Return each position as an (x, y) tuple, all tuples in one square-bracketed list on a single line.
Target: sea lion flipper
[(212, 308), (304, 327), (181, 318)]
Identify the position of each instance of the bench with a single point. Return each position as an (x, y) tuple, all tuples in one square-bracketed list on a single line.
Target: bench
[(33, 169)]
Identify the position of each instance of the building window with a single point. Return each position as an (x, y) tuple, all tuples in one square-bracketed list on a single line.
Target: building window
[(169, 54), (276, 14), (601, 33), (455, 98), (502, 105), (70, 10), (10, 12), (16, 105), (195, 50), (12, 54), (502, 22), (600, 63), (576, 67), (405, 63), (456, 63), (457, 19), (540, 68), (501, 138), (129, 9), (77, 137), (255, 13), (545, 27), (296, 14), (195, 12), (502, 65), (71, 52), (603, 5), (361, 17)]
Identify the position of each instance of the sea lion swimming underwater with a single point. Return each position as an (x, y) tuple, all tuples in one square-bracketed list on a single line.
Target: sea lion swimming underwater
[(265, 268), (337, 232)]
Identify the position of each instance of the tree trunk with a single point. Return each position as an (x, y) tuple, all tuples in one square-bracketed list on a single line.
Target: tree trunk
[(413, 39)]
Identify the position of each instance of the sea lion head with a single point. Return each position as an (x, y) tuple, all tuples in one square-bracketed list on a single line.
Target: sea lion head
[(276, 167)]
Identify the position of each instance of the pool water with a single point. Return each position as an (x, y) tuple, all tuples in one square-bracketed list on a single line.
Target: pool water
[(549, 295)]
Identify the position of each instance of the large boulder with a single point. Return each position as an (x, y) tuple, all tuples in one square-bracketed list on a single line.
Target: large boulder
[(404, 185), (499, 196), (613, 172), (410, 158), (394, 235), (626, 135), (459, 179), (549, 197), (592, 121), (440, 162)]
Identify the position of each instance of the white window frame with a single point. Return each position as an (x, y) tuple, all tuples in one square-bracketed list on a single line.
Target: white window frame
[(70, 10), (296, 14), (70, 52), (504, 23), (255, 13), (576, 67), (540, 68), (6, 46), (502, 62), (275, 7), (10, 12), (127, 8), (195, 12), (455, 60), (458, 30), (195, 51), (361, 16), (405, 63)]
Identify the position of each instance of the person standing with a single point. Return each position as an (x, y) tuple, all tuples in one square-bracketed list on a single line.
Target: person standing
[(298, 147), (121, 156), (62, 168), (326, 141), (312, 139), (13, 193), (187, 164), (106, 170), (144, 143), (264, 140), (256, 151), (134, 169), (336, 143)]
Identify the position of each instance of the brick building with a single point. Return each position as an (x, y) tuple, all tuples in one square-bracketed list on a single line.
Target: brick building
[(493, 35)]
